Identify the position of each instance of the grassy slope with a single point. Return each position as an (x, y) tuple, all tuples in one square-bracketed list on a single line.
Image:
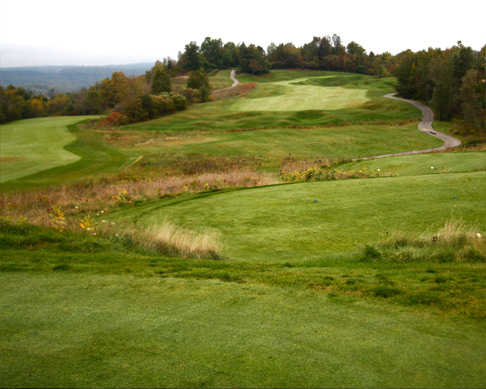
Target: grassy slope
[(215, 129), (30, 146), (227, 114), (306, 221)]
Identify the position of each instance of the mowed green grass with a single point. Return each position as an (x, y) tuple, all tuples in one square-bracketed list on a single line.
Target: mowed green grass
[(298, 96), (312, 220), (93, 156), (85, 330), (33, 145)]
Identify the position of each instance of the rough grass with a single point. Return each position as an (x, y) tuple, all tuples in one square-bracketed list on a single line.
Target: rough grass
[(454, 242), (33, 145)]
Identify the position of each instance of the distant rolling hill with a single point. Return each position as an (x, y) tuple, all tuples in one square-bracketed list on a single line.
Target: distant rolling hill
[(42, 79)]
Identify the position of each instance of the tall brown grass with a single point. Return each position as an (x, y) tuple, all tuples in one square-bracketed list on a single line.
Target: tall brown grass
[(168, 239)]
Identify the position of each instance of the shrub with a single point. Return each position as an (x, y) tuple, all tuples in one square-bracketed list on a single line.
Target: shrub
[(162, 104), (180, 102), (191, 95)]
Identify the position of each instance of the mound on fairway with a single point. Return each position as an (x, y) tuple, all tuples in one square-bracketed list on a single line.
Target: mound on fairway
[(312, 220), (33, 145), (298, 96)]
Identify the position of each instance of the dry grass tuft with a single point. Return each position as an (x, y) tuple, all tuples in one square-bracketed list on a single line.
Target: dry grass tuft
[(454, 242), (456, 231), (168, 239)]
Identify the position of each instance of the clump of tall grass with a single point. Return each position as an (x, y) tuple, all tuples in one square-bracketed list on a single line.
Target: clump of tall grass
[(168, 239), (454, 242)]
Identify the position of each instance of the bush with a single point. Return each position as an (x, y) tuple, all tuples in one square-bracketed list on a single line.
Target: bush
[(180, 102), (135, 111), (162, 104), (191, 95)]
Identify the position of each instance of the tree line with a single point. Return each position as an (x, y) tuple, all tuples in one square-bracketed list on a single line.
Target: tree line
[(124, 99), (451, 80), (322, 53)]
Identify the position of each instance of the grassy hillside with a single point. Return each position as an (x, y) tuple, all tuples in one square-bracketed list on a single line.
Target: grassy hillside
[(247, 112), (229, 129)]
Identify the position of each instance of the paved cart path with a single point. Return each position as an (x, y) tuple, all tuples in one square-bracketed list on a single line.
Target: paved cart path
[(425, 126)]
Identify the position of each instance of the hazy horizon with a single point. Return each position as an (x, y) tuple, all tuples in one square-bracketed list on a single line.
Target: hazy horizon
[(60, 33)]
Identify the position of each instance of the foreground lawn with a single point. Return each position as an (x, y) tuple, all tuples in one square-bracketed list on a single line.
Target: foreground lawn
[(307, 221), (33, 145), (152, 332)]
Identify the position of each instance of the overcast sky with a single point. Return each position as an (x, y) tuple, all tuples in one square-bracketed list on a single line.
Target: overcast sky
[(87, 32)]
